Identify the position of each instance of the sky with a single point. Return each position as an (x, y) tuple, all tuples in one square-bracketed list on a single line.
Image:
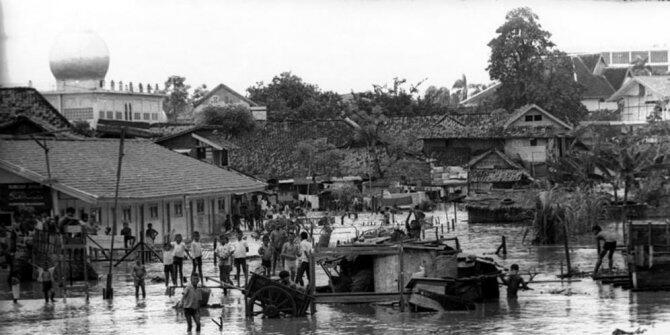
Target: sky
[(338, 45)]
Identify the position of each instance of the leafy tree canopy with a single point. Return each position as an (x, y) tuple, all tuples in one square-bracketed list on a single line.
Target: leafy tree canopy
[(287, 96), (530, 69), (177, 97), (233, 119)]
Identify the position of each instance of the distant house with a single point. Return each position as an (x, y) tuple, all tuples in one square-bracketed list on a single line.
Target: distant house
[(591, 71), (493, 170), (205, 143), (527, 136), (223, 95), (641, 96)]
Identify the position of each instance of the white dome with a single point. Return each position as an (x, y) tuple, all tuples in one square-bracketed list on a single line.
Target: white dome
[(79, 56)]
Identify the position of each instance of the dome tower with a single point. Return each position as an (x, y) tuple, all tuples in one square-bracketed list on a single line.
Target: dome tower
[(79, 61)]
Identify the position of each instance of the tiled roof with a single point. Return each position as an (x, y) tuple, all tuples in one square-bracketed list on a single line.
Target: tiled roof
[(16, 102), (615, 76), (225, 88), (524, 199), (269, 150), (659, 85), (595, 86), (451, 156), (166, 129), (496, 175), (87, 169), (494, 124), (500, 154), (590, 60)]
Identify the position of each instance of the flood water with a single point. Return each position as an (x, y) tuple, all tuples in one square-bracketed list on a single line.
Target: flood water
[(584, 307)]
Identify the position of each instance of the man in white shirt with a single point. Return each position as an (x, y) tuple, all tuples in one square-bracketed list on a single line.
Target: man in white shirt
[(196, 254), (305, 252), (225, 252), (240, 255)]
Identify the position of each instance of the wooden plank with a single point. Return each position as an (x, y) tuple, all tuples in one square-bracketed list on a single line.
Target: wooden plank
[(355, 297)]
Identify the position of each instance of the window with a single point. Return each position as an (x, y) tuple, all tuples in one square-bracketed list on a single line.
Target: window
[(126, 214), (153, 212), (200, 153), (639, 54), (200, 206), (537, 117), (659, 56), (119, 116), (110, 115), (223, 154), (137, 116), (533, 142), (178, 209), (620, 58), (146, 116), (154, 116), (101, 115), (529, 118), (222, 204), (78, 113)]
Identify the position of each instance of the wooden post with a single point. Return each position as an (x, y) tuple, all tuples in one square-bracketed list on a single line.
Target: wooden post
[(215, 240), (312, 282), (455, 215), (141, 232), (401, 277), (651, 247), (85, 257), (567, 250), (108, 292)]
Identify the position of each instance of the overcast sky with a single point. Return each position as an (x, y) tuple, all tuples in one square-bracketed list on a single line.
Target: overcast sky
[(338, 45)]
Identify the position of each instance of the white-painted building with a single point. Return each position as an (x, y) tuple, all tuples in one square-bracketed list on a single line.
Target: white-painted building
[(641, 95), (79, 62), (223, 95)]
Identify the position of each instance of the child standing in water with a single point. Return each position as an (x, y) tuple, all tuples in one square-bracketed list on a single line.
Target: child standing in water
[(196, 254), (191, 302), (179, 251), (139, 272), (46, 277), (514, 282), (266, 256), (16, 286), (168, 260)]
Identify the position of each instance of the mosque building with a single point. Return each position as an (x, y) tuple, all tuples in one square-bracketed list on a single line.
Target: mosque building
[(79, 61)]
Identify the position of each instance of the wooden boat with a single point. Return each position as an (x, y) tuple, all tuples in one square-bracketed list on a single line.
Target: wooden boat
[(375, 273), (649, 254)]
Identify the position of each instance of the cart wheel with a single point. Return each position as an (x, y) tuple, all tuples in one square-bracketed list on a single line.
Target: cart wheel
[(271, 302)]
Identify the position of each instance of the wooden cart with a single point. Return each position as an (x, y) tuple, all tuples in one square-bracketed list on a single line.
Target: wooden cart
[(271, 299)]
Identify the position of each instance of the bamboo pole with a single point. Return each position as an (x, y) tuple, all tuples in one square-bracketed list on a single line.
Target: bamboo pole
[(109, 293), (567, 250), (401, 277)]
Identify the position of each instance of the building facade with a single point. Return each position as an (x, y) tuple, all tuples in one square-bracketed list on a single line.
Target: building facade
[(223, 95), (79, 63)]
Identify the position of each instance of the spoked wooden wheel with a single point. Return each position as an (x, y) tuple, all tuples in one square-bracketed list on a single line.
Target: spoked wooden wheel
[(271, 302)]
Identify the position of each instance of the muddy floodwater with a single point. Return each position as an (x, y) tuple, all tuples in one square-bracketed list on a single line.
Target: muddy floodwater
[(584, 307)]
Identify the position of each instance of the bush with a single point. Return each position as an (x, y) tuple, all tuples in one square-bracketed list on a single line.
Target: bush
[(233, 119)]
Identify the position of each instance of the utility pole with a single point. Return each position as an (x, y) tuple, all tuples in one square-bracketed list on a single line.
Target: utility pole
[(108, 292)]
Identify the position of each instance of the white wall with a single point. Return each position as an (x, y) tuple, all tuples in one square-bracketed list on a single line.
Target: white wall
[(520, 147), (595, 105)]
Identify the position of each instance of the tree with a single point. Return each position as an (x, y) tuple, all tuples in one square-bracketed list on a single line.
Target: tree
[(530, 70), (437, 96), (319, 158), (288, 97), (176, 102), (199, 93), (233, 119), (461, 85)]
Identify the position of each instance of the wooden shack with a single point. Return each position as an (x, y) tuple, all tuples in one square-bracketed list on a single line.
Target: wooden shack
[(649, 254)]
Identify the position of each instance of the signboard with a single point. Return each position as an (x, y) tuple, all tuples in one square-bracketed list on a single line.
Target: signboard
[(28, 194)]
